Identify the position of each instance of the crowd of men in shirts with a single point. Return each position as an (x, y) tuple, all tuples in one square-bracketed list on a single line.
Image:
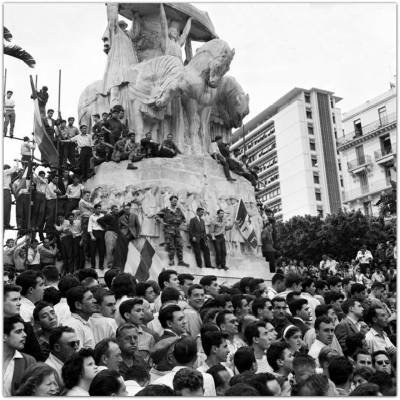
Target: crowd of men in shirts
[(311, 331)]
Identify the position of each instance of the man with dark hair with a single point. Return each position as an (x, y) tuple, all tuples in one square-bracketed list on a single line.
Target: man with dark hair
[(385, 383), (132, 311), (376, 337), (185, 354), (260, 335), (192, 313), (188, 382), (324, 330), (173, 320), (280, 321), (185, 281), (301, 314), (220, 152), (211, 286), (198, 238), (280, 358), (62, 309), (381, 361), (166, 278), (292, 283), (215, 348), (308, 293), (173, 218), (62, 344), (105, 300), (82, 305), (46, 319), (351, 323), (15, 363), (358, 292), (277, 286), (136, 378), (340, 372), (97, 236), (363, 359), (303, 367), (218, 226), (245, 361), (32, 288), (262, 309), (335, 284), (221, 378), (51, 275), (108, 354)]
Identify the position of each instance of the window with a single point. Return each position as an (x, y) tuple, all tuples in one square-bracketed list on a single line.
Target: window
[(308, 114), (307, 97), (318, 195), (339, 165), (332, 105), (334, 118), (357, 128), (316, 178), (335, 133), (310, 130), (386, 145), (320, 212), (341, 182), (364, 182), (314, 161), (312, 145), (360, 155), (382, 115)]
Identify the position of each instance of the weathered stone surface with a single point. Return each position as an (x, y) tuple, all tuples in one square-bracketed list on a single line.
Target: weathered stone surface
[(198, 181)]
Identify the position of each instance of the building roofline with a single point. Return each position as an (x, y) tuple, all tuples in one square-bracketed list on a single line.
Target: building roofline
[(270, 111)]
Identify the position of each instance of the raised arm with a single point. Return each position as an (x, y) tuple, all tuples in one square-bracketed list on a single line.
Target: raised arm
[(164, 29), (185, 32)]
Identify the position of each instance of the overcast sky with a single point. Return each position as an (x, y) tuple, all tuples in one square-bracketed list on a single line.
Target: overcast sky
[(347, 48)]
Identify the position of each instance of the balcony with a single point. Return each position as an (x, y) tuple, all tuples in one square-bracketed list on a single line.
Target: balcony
[(359, 165), (367, 131), (384, 157), (363, 192)]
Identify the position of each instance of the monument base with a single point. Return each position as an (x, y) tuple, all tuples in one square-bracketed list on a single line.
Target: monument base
[(198, 182)]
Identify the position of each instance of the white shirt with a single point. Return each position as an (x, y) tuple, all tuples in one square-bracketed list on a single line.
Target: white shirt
[(208, 381), (271, 293), (55, 363), (263, 365), (7, 176), (364, 258), (77, 391), (155, 325), (315, 349), (82, 329), (8, 374), (50, 191), (62, 311), (33, 256), (9, 104), (93, 225), (102, 327), (377, 342), (74, 192), (26, 310), (132, 387), (82, 140)]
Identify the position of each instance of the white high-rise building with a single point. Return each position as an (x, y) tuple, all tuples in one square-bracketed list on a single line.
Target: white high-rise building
[(368, 152), (293, 142)]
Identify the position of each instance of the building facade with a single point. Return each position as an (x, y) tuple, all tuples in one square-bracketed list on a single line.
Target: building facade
[(293, 142), (368, 152)]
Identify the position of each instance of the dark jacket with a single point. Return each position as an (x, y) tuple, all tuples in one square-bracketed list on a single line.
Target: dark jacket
[(129, 225), (20, 366), (343, 330), (197, 229)]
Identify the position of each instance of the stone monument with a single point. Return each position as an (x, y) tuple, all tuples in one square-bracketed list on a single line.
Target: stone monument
[(194, 100)]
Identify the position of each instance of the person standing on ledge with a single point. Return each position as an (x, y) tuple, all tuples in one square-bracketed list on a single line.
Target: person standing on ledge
[(9, 114), (217, 231), (173, 218)]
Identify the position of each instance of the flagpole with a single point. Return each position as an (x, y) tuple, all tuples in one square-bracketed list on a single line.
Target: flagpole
[(5, 85), (58, 139)]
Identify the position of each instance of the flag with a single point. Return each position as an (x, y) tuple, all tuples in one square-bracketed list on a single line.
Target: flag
[(144, 265), (245, 226), (47, 149)]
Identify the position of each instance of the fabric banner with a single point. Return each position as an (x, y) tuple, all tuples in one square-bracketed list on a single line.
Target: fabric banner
[(144, 265), (245, 225)]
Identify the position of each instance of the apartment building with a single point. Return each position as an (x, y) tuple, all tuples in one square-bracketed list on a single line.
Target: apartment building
[(293, 142), (367, 149)]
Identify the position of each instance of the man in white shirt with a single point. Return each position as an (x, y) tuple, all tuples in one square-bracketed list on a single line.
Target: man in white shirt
[(364, 257), (324, 330), (61, 308), (308, 294), (97, 240), (192, 312), (7, 174), (82, 305), (376, 338), (9, 113), (215, 348), (278, 286), (32, 284), (52, 191), (74, 193), (62, 343), (185, 355)]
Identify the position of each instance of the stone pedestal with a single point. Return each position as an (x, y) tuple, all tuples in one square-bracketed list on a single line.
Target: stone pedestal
[(197, 181)]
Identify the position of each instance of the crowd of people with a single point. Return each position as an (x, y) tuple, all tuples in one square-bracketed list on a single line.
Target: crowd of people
[(311, 331)]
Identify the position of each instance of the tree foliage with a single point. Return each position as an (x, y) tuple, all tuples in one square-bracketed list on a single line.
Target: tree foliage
[(15, 50), (308, 238)]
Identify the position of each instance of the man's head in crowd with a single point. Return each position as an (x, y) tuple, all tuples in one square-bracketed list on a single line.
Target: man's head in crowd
[(340, 372), (107, 353), (131, 310), (362, 375), (172, 317), (170, 295), (314, 385), (215, 345), (63, 342), (325, 356), (127, 339), (14, 334), (107, 383), (279, 304), (105, 300), (293, 282), (67, 282), (300, 309), (168, 278), (245, 360), (377, 318), (280, 358), (45, 316), (185, 281), (378, 289), (228, 323), (210, 284), (262, 309), (335, 284), (278, 283), (324, 330), (240, 305), (321, 287), (358, 292), (32, 285), (123, 285), (363, 359), (303, 367), (326, 310), (260, 335), (353, 309), (50, 272), (81, 301), (221, 378), (146, 291), (188, 382), (381, 361), (308, 286), (195, 295), (185, 351), (11, 300)]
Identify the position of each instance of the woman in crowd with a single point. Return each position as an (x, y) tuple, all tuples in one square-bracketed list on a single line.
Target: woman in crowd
[(39, 380), (292, 336)]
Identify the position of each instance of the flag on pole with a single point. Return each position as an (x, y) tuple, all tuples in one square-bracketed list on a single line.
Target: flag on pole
[(144, 265), (47, 149), (245, 225)]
